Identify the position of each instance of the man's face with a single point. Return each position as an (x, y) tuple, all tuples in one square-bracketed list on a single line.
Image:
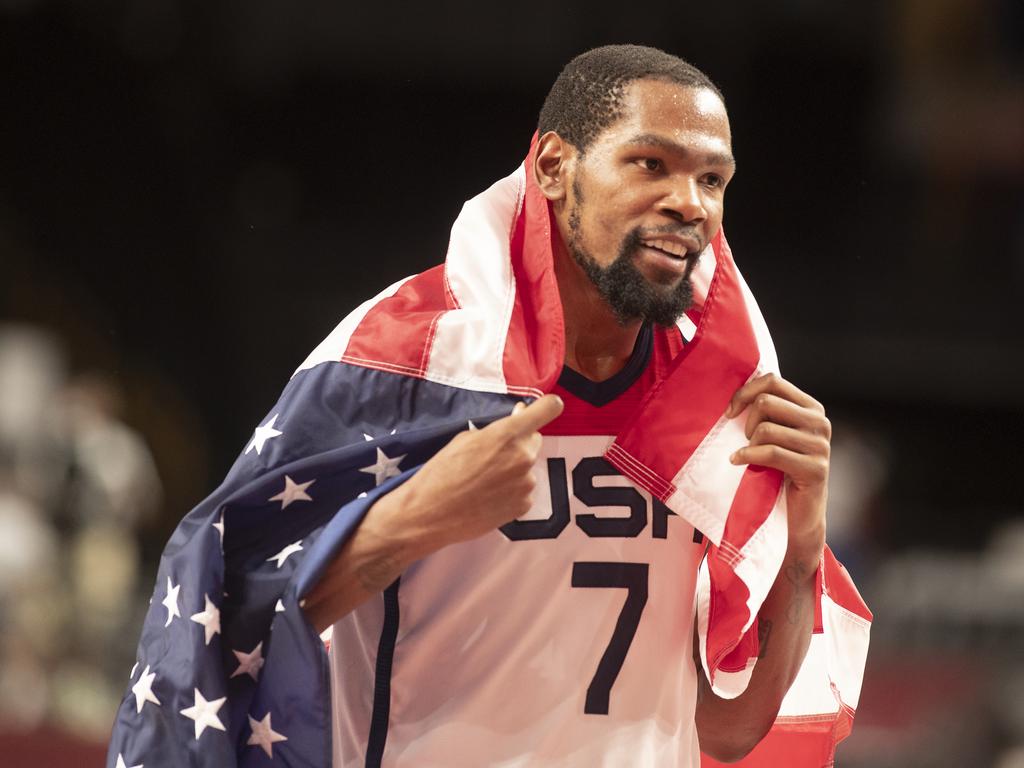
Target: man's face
[(647, 197)]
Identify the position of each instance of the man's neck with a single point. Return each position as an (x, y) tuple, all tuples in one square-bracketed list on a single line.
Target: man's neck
[(596, 345)]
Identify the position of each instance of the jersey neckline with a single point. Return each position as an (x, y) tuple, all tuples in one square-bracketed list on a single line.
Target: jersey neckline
[(599, 393)]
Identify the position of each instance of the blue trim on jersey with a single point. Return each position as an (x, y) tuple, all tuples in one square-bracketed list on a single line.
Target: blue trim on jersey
[(599, 393), (382, 682)]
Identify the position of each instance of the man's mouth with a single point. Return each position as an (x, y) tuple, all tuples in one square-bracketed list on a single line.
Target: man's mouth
[(669, 261), (673, 248)]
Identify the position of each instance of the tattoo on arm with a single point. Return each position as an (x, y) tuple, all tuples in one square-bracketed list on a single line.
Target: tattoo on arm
[(764, 631), (376, 576), (795, 573)]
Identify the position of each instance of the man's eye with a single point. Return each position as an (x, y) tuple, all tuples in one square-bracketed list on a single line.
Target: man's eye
[(651, 163), (714, 180)]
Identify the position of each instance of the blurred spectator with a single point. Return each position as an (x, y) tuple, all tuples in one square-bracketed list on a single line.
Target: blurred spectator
[(75, 485), (858, 470), (29, 563), (114, 478)]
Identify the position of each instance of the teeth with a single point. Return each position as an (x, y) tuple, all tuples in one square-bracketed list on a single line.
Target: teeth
[(669, 247)]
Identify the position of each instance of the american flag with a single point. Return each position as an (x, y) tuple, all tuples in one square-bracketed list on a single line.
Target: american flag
[(228, 671)]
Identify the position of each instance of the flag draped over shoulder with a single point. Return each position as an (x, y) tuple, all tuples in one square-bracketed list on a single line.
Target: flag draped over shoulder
[(681, 455), (229, 673)]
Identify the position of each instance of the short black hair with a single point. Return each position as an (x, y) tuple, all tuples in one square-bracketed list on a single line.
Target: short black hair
[(587, 95)]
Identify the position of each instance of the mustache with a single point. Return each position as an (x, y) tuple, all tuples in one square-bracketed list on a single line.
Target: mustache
[(637, 235)]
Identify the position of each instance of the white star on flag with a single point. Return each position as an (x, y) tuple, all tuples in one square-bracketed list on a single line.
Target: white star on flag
[(121, 763), (292, 492), (170, 602), (279, 607), (264, 735), (204, 713), (249, 663), (143, 689), (472, 427), (384, 468), (219, 525), (262, 434), (287, 552), (209, 618)]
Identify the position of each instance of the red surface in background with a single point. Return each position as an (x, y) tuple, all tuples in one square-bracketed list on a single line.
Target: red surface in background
[(902, 692), (48, 748)]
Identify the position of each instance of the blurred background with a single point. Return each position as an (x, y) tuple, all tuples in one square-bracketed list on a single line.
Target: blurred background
[(193, 194)]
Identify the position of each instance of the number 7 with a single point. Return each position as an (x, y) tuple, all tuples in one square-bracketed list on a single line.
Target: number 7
[(633, 578)]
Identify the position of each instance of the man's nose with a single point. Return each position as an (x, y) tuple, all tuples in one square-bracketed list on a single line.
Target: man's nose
[(684, 202)]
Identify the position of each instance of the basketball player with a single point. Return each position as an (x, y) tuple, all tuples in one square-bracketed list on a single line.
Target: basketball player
[(502, 637)]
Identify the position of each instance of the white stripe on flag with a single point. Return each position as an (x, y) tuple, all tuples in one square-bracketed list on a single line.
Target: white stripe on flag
[(469, 342), (810, 693), (769, 361), (707, 483), (848, 635)]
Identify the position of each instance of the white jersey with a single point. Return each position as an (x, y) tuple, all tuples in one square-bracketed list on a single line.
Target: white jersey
[(562, 639)]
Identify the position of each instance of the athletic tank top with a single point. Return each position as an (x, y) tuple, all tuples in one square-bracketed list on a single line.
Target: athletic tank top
[(562, 639)]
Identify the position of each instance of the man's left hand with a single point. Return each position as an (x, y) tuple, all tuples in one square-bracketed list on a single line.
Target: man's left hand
[(788, 431)]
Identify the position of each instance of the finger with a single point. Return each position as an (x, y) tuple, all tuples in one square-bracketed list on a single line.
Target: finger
[(796, 440), (803, 470), (768, 407), (773, 384), (535, 415)]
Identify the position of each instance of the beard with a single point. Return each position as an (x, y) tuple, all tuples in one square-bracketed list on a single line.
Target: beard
[(629, 294)]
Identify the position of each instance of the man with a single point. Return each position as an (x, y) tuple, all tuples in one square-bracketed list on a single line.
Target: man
[(517, 601)]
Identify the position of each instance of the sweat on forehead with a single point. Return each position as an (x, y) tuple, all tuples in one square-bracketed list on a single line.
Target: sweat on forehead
[(587, 95)]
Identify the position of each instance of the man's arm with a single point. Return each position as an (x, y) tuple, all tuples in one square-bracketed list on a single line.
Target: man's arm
[(481, 480), (788, 431)]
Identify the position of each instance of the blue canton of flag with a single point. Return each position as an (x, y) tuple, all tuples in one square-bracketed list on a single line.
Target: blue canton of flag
[(229, 672)]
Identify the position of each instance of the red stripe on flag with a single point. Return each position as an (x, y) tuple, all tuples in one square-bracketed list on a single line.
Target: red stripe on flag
[(403, 325), (809, 743), (755, 496), (678, 413), (727, 647), (841, 589), (754, 500), (535, 347)]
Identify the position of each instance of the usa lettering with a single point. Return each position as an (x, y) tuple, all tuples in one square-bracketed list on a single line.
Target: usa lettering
[(583, 488)]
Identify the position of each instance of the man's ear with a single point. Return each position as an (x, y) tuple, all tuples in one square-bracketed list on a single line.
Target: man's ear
[(553, 166)]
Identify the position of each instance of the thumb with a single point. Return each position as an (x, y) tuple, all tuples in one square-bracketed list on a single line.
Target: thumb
[(525, 419)]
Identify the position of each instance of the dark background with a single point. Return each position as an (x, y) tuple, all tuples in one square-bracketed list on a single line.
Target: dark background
[(193, 194)]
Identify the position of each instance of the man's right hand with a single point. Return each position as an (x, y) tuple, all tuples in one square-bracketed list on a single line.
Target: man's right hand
[(478, 482)]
